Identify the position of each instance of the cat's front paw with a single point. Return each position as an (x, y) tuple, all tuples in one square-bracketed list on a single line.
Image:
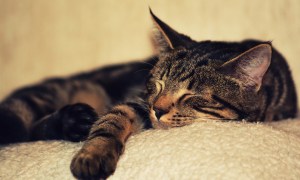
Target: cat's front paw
[(96, 160), (77, 120)]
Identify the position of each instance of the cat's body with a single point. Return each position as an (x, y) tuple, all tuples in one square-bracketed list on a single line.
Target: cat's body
[(188, 81), (101, 89)]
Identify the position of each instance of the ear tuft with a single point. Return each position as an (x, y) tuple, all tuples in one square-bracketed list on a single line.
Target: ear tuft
[(250, 67), (167, 38)]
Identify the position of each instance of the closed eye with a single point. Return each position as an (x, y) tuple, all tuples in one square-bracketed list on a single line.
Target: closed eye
[(198, 101), (184, 97), (160, 85), (211, 107), (154, 88)]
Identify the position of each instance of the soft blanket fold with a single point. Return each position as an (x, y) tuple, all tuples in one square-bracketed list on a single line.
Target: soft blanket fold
[(208, 150)]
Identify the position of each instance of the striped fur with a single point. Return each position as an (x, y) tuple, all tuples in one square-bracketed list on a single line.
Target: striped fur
[(189, 81)]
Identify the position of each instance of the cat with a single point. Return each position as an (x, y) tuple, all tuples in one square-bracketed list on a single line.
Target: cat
[(188, 81)]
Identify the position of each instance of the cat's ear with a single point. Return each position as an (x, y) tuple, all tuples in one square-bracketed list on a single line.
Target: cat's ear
[(167, 38), (250, 67)]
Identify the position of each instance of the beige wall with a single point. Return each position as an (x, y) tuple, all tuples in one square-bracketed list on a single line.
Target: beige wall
[(42, 38)]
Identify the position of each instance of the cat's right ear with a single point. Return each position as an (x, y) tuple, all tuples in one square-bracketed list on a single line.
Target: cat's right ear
[(250, 67), (167, 38)]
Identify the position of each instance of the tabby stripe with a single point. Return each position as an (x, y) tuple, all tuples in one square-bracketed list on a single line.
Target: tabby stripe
[(37, 111), (118, 112), (101, 122), (268, 101), (137, 108), (101, 132), (229, 55), (209, 112), (191, 84), (117, 126), (168, 70), (182, 97), (162, 74), (269, 95), (206, 53), (165, 72), (280, 87), (142, 112), (218, 53), (187, 76), (180, 70), (202, 63), (46, 96), (240, 113)]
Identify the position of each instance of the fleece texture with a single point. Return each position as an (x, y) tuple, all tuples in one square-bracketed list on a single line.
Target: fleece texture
[(207, 150)]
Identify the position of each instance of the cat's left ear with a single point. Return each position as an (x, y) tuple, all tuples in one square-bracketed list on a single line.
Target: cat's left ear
[(249, 67), (167, 38)]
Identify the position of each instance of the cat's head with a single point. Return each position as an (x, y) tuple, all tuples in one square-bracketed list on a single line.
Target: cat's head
[(185, 87)]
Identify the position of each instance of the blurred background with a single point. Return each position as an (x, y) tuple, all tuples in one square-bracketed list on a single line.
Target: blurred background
[(42, 38)]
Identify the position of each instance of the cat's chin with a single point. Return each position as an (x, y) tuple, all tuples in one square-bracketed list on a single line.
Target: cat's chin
[(156, 124), (159, 125)]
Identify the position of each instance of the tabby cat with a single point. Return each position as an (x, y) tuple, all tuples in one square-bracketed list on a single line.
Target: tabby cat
[(188, 81)]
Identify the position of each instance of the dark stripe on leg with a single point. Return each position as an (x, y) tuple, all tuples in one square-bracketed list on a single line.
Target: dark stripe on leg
[(101, 132), (143, 112), (117, 126), (118, 112)]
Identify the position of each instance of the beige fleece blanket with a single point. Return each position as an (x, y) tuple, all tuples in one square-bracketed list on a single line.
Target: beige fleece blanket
[(207, 150)]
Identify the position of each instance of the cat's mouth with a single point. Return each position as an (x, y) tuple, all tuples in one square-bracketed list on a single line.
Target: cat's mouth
[(156, 123), (166, 123)]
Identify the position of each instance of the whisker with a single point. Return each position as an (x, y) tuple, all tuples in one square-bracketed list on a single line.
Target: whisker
[(203, 118), (185, 117), (213, 119)]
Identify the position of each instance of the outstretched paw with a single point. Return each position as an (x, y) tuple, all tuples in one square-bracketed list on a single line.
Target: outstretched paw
[(77, 120), (96, 160)]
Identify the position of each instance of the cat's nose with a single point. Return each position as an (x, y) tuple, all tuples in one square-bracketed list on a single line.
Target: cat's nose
[(159, 112)]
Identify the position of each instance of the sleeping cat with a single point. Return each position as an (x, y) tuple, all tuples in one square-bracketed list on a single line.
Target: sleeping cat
[(188, 81)]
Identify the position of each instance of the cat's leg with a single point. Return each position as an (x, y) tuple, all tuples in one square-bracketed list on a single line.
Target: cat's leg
[(72, 123), (12, 126), (23, 108), (100, 153)]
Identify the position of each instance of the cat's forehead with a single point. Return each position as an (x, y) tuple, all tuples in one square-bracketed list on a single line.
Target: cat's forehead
[(204, 54), (183, 64)]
